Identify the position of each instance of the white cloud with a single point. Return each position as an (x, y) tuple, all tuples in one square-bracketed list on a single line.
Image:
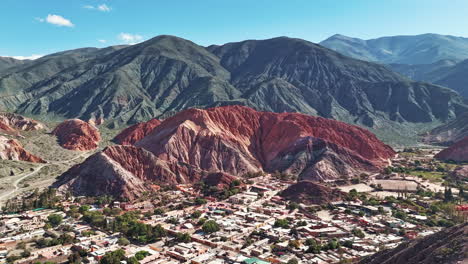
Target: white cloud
[(102, 8), (130, 38), (102, 40), (32, 57), (56, 20)]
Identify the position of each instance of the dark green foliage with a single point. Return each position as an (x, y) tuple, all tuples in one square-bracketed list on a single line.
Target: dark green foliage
[(210, 226), (183, 237), (140, 255), (54, 219), (283, 223), (113, 257)]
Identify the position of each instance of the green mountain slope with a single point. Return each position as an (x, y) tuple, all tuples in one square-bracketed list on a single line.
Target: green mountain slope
[(167, 74)]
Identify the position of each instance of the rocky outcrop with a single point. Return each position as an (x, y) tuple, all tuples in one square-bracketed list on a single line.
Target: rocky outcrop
[(449, 246), (75, 134), (307, 192), (11, 149), (214, 143), (456, 152), (459, 174), (10, 122), (132, 134), (449, 133), (236, 140), (219, 179), (124, 171)]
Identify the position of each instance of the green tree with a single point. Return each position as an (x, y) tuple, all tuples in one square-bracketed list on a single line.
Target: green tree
[(133, 260), (210, 226), (140, 255), (196, 214), (158, 211), (358, 232), (183, 237), (293, 261), (283, 223), (84, 208), (54, 219), (123, 241), (113, 257), (200, 201)]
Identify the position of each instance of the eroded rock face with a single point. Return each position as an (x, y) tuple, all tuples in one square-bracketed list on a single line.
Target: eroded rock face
[(124, 171), (449, 133), (460, 173), (447, 246), (132, 134), (75, 134), (236, 140), (10, 122), (11, 149), (218, 144), (308, 192), (456, 152)]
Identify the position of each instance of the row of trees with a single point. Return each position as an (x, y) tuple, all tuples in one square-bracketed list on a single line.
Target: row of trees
[(127, 224)]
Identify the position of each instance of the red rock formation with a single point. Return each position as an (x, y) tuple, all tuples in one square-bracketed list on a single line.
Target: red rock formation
[(11, 149), (6, 128), (10, 122), (75, 134), (236, 139), (124, 171), (308, 192), (220, 180), (212, 144), (134, 133), (456, 152)]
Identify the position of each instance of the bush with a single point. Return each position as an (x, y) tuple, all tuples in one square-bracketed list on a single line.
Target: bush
[(140, 255), (283, 223), (54, 219), (123, 241), (210, 226)]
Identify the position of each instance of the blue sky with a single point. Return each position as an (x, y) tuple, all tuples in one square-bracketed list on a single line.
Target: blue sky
[(45, 26)]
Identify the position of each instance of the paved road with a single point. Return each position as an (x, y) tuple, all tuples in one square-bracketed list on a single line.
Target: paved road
[(7, 195)]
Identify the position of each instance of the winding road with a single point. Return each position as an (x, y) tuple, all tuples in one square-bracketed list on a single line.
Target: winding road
[(7, 195)]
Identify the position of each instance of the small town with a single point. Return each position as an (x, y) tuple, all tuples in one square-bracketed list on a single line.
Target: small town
[(259, 218)]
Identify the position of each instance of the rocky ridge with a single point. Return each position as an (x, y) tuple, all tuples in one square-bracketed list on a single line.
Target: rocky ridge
[(132, 134), (457, 152), (75, 134), (11, 149), (307, 192)]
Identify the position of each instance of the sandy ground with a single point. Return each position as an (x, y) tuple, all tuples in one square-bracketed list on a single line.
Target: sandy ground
[(361, 187), (324, 215), (397, 184)]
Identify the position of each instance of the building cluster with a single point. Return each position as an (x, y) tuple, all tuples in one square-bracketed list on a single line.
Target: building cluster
[(253, 226)]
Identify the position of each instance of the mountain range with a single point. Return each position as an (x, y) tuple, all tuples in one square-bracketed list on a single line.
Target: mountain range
[(417, 49), (166, 74), (432, 58)]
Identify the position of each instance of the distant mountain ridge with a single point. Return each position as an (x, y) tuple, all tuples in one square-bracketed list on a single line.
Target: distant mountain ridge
[(417, 49), (167, 74), (7, 62), (433, 58)]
